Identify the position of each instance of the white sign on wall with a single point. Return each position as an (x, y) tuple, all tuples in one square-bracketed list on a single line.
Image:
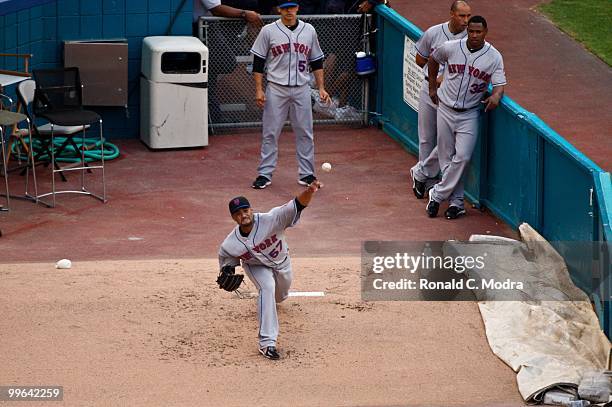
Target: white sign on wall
[(413, 75)]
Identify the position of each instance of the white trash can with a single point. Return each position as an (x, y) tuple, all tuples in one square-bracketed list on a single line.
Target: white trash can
[(174, 92)]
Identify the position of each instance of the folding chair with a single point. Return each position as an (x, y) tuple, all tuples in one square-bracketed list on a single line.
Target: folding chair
[(42, 134), (8, 120), (58, 99)]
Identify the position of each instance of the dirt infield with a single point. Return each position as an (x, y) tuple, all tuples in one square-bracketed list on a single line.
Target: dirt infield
[(143, 333)]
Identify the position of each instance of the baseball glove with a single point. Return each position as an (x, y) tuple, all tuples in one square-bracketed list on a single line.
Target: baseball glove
[(228, 279)]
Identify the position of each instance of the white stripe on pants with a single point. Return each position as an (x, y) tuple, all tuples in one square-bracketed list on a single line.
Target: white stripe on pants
[(273, 286), (428, 167), (457, 135), (280, 101)]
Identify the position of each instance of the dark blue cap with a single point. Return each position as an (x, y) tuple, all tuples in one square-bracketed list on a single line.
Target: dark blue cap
[(287, 3), (238, 203)]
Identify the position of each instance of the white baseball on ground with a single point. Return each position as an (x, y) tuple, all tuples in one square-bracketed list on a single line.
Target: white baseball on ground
[(326, 167), (63, 264)]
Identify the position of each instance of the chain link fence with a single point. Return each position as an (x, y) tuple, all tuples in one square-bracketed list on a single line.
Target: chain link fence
[(232, 87)]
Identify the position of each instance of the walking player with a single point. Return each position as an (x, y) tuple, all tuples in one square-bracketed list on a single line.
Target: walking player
[(259, 243), (425, 173), (290, 48), (470, 65)]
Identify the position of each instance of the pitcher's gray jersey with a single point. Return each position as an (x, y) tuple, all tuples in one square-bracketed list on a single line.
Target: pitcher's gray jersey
[(467, 74), (432, 38), (266, 244), (288, 54)]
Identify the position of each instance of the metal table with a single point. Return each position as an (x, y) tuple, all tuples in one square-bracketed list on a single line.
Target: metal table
[(7, 79)]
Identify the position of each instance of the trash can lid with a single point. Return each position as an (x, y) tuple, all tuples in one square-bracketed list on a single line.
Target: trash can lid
[(173, 43)]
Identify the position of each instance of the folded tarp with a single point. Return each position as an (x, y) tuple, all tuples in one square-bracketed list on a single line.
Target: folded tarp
[(548, 343)]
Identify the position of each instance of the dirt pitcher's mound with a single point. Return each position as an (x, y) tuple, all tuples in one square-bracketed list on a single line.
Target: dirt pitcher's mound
[(160, 333)]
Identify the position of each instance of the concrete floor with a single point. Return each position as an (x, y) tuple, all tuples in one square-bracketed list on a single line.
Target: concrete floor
[(173, 204)]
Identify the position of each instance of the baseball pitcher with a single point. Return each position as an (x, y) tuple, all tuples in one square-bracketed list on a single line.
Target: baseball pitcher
[(258, 243)]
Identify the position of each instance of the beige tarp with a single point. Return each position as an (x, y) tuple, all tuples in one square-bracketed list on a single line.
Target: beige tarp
[(547, 343)]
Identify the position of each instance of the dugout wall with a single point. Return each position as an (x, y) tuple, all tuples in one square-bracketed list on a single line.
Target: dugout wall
[(40, 27)]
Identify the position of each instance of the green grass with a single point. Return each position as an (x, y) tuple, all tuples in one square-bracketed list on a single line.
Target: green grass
[(587, 21)]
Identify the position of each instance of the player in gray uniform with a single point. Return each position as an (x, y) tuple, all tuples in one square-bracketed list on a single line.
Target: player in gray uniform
[(470, 65), (290, 50), (259, 243), (425, 173)]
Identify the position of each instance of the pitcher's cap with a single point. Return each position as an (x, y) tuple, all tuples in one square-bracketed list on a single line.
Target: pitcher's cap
[(238, 203)]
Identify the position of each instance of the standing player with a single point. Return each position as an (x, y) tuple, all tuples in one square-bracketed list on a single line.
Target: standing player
[(425, 172), (470, 65), (259, 243), (290, 48)]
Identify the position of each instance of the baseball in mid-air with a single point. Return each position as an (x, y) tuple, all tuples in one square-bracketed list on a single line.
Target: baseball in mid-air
[(326, 167)]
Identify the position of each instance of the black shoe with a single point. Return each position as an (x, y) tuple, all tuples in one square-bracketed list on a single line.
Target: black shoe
[(432, 207), (453, 212), (418, 187), (307, 180), (261, 182), (270, 352)]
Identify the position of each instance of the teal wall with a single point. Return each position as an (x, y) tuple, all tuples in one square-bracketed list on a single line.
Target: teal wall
[(39, 27)]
